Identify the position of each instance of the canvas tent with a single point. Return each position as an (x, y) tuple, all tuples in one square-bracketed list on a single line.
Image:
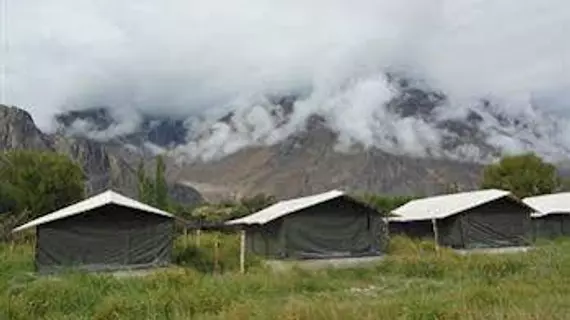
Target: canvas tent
[(327, 225), (106, 232), (467, 220), (552, 216)]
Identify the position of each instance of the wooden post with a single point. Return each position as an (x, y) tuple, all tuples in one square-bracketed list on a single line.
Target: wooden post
[(198, 231), (216, 255), (435, 234), (185, 236), (242, 251)]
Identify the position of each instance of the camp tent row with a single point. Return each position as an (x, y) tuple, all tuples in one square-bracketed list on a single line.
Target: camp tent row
[(112, 232)]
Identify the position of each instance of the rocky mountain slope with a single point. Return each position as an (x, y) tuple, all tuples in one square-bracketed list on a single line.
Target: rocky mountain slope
[(308, 162), (414, 144), (107, 165)]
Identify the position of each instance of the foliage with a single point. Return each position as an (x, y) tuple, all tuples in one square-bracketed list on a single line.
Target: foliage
[(414, 282), (384, 204), (256, 202), (160, 187), (153, 192), (565, 185), (524, 175), (39, 182), (453, 188), (231, 209), (145, 186)]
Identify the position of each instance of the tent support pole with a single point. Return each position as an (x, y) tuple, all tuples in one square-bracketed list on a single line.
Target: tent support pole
[(242, 251), (198, 232), (217, 255), (435, 234), (185, 236)]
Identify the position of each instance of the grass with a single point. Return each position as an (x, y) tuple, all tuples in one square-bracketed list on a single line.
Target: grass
[(414, 282)]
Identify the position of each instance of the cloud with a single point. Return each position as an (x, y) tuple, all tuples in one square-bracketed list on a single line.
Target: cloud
[(191, 58)]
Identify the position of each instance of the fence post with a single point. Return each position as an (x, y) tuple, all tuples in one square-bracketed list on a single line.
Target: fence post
[(216, 255), (435, 233), (198, 232), (185, 236), (242, 251)]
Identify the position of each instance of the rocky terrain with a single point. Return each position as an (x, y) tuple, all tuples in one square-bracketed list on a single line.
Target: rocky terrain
[(269, 148), (308, 162), (107, 165)]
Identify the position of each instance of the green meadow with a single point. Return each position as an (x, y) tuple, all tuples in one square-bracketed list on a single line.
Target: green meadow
[(413, 282)]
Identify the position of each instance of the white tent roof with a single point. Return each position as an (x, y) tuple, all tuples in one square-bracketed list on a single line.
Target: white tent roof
[(443, 206), (102, 199), (549, 203), (283, 208)]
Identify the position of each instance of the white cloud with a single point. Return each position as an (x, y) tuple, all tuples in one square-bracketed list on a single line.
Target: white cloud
[(201, 58)]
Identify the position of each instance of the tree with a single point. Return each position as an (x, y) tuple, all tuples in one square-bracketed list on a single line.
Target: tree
[(257, 202), (383, 203), (524, 175), (145, 186), (39, 182), (160, 187), (153, 192)]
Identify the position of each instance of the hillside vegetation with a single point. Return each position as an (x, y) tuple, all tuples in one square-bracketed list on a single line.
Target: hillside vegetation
[(414, 282)]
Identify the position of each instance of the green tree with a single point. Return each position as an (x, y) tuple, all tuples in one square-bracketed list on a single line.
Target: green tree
[(39, 182), (524, 175), (154, 191), (565, 185), (383, 203), (256, 202), (453, 187), (145, 186), (160, 187)]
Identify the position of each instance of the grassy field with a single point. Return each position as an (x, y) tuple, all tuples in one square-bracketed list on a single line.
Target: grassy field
[(414, 282)]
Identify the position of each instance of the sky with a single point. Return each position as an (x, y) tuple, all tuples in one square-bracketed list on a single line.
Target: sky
[(187, 57)]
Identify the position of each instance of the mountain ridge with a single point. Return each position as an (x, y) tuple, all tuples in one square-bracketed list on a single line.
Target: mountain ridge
[(412, 144), (271, 146), (106, 165)]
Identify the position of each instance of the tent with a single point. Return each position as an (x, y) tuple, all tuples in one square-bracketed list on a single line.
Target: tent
[(106, 232), (327, 225), (552, 216), (479, 219)]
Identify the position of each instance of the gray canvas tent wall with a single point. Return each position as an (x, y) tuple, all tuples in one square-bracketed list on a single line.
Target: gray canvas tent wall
[(327, 225), (552, 217), (105, 232), (467, 220)]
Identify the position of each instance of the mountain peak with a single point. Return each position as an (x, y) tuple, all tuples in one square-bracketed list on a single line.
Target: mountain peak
[(18, 130)]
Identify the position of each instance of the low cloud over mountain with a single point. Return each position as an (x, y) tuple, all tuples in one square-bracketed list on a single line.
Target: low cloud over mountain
[(493, 73)]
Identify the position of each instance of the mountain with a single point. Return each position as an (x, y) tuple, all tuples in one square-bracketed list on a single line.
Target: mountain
[(303, 163), (107, 165), (417, 142), (308, 162)]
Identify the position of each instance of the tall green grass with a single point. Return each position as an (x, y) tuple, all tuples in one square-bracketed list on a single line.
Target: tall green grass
[(413, 282)]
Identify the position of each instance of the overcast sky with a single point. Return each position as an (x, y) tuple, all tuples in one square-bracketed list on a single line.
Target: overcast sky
[(187, 56)]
